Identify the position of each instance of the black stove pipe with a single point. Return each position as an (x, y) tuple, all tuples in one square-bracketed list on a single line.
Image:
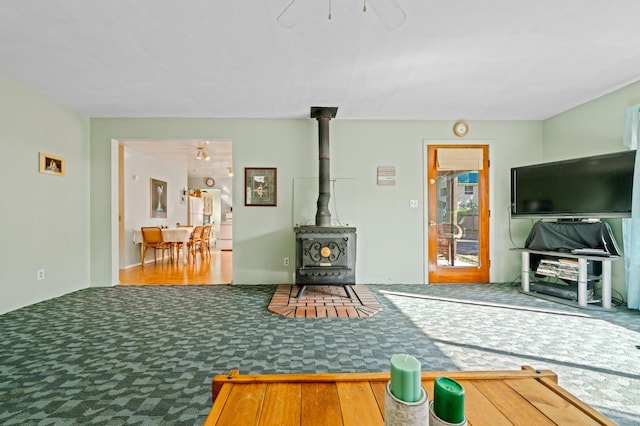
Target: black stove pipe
[(323, 115)]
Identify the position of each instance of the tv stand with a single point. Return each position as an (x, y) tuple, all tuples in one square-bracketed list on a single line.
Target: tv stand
[(582, 273)]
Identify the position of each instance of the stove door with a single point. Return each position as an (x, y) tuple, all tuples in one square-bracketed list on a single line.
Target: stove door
[(332, 252)]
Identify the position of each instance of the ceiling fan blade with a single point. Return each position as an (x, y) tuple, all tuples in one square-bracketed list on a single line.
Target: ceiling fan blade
[(288, 18), (389, 12)]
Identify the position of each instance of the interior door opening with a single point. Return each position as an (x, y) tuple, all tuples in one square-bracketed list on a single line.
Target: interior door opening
[(187, 178)]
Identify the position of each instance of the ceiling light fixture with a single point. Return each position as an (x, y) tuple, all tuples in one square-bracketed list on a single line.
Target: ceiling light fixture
[(201, 153), (389, 12)]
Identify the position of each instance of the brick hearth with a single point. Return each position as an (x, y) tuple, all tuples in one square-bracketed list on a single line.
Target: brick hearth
[(324, 301)]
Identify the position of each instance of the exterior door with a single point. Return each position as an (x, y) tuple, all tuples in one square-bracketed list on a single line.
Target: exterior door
[(458, 213)]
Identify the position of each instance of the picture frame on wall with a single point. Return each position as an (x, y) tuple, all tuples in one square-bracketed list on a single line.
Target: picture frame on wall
[(52, 164), (158, 198), (261, 186)]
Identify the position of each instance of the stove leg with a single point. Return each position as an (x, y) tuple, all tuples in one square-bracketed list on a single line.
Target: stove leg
[(349, 292), (301, 291)]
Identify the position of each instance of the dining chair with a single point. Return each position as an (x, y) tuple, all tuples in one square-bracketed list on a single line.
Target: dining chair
[(195, 242), (205, 246), (152, 238), (448, 236)]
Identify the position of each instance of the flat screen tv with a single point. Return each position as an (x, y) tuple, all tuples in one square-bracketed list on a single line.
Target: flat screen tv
[(589, 187)]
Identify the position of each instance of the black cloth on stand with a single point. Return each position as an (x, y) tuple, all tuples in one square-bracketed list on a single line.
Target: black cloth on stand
[(566, 236)]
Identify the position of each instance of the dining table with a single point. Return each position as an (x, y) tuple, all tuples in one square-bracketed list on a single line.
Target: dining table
[(178, 235), (172, 235)]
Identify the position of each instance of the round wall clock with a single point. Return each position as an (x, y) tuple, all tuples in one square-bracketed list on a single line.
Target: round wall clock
[(461, 128), (210, 182)]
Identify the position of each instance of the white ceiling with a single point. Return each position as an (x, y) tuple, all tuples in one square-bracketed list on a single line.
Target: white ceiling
[(472, 59), (451, 59)]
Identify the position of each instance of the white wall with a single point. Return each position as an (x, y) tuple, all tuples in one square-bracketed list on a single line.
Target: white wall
[(137, 198), (44, 219)]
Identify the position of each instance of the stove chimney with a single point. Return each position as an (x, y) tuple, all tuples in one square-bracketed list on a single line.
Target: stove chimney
[(325, 254), (323, 115)]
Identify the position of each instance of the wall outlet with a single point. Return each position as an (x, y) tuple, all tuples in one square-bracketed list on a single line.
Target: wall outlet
[(286, 261), (413, 204), (40, 274)]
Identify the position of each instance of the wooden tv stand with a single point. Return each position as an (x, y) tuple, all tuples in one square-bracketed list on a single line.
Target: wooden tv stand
[(582, 273)]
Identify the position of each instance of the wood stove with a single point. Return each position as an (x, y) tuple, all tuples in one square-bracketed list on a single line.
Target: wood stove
[(325, 254)]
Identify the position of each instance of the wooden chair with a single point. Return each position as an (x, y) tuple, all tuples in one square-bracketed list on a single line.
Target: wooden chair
[(448, 236), (152, 238), (176, 246), (195, 242), (205, 246)]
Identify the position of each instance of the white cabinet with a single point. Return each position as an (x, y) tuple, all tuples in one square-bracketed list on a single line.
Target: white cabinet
[(226, 236)]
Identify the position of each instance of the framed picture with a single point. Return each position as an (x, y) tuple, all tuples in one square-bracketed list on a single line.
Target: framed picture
[(52, 165), (158, 198), (261, 186)]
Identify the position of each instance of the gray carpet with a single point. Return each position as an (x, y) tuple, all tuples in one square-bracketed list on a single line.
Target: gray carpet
[(146, 355)]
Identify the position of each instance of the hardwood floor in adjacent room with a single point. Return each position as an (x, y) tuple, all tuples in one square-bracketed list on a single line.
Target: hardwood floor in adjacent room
[(216, 270)]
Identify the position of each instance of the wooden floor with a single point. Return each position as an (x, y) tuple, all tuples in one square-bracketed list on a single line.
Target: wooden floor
[(216, 270)]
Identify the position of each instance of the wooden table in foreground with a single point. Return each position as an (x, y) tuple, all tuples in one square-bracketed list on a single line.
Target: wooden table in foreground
[(525, 397)]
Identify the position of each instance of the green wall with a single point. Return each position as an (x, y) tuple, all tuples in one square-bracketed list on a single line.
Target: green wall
[(387, 228), (44, 220), (67, 225), (590, 129)]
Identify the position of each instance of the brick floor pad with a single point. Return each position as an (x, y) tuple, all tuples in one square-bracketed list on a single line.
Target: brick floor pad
[(324, 301)]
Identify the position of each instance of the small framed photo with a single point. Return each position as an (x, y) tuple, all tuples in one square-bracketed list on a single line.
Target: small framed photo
[(261, 186), (158, 198), (52, 164)]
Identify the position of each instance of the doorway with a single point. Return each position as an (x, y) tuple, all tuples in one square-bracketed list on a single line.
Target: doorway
[(458, 213), (187, 177)]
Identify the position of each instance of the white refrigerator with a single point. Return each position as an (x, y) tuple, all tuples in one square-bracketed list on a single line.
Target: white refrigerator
[(195, 211)]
